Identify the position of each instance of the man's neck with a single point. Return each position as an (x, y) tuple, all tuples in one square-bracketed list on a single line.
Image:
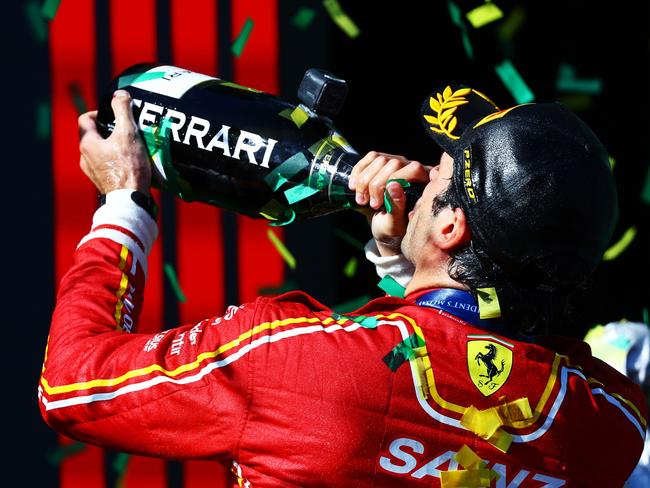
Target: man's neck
[(427, 279)]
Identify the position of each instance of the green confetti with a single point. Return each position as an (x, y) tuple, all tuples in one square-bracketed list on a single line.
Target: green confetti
[(567, 81), (350, 268), (173, 281), (298, 115), (512, 23), (353, 304), (391, 287), (484, 14), (341, 19), (576, 102), (119, 466), (615, 251), (514, 82), (402, 352), (239, 43), (388, 202), (299, 192), (286, 221), (285, 170), (49, 8), (612, 163), (139, 77), (56, 456), (77, 99), (43, 120), (356, 243), (36, 21), (282, 249), (645, 316), (457, 18), (303, 18), (367, 322), (645, 191)]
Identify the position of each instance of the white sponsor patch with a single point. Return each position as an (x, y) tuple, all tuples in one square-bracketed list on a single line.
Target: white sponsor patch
[(175, 82)]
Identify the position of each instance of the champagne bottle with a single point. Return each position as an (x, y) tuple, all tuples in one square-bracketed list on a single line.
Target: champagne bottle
[(238, 148)]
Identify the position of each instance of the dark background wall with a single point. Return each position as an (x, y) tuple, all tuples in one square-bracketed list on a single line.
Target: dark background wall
[(405, 50)]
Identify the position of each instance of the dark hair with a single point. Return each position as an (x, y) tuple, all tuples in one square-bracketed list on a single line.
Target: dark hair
[(526, 310)]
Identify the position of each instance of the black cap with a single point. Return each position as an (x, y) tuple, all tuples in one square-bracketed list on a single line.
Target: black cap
[(534, 182)]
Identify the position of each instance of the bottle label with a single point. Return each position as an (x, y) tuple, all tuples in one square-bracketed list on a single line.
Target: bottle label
[(170, 81)]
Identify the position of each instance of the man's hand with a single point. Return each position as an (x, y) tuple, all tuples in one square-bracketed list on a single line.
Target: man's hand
[(368, 179), (121, 160)]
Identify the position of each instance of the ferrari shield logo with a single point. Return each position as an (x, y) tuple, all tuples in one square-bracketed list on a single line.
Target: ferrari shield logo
[(489, 362)]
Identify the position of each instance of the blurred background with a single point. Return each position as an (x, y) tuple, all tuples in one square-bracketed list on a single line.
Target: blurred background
[(60, 55)]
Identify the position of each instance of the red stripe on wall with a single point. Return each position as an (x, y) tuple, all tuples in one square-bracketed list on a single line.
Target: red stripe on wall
[(199, 247), (133, 40), (257, 67), (198, 226), (72, 61)]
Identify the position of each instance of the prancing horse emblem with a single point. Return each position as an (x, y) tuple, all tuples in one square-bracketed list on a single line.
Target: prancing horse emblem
[(489, 361)]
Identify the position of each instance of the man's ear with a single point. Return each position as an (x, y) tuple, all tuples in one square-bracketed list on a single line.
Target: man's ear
[(450, 229)]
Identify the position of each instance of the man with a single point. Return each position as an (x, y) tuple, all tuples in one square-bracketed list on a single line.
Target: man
[(457, 384)]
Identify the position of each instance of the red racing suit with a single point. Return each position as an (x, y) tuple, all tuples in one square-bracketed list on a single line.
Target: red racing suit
[(292, 394)]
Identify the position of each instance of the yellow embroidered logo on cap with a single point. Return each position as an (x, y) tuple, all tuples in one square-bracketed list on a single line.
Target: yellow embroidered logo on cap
[(489, 362), (497, 115), (444, 105)]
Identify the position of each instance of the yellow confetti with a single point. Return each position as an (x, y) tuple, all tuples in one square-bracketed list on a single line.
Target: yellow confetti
[(622, 244), (488, 303), (282, 249), (484, 14)]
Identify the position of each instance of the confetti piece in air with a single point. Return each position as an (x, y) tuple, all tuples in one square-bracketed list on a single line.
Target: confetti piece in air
[(43, 121), (303, 18), (402, 352), (645, 191), (576, 102), (646, 321), (173, 281), (77, 99), (56, 456), (282, 249), (567, 81), (341, 19), (512, 23), (483, 15), (488, 303), (391, 287), (299, 192), (350, 268), (36, 21), (615, 251), (139, 77), (514, 82), (120, 462), (354, 242), (612, 163), (239, 43), (285, 221), (457, 18), (49, 8), (353, 304), (119, 466), (298, 115)]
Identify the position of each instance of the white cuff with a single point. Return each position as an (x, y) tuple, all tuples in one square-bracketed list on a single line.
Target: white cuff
[(398, 267), (123, 221)]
